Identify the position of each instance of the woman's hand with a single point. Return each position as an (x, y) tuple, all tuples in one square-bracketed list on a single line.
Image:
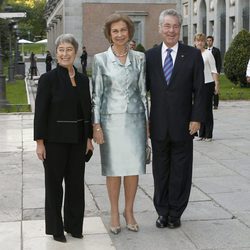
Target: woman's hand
[(40, 150), (89, 146), (98, 134), (216, 89)]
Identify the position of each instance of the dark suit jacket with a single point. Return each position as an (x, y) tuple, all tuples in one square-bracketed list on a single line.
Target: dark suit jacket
[(56, 107), (174, 106), (217, 57)]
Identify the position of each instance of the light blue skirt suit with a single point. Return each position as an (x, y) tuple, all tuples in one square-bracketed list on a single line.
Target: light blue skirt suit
[(120, 106)]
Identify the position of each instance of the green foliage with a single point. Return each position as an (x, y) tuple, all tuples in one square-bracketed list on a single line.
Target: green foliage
[(33, 26), (140, 48), (236, 58)]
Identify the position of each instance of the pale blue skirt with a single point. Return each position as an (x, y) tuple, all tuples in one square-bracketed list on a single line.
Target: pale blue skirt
[(123, 152)]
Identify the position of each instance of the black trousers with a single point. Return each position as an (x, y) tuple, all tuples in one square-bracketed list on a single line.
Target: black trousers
[(172, 172), (84, 71), (216, 100), (64, 161), (206, 130)]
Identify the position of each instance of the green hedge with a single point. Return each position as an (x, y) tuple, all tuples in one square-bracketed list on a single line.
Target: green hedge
[(236, 58)]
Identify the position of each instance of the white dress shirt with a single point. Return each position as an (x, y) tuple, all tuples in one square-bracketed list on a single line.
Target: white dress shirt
[(164, 53), (209, 66)]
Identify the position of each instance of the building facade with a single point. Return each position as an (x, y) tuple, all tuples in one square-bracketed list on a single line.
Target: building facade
[(85, 19), (222, 19)]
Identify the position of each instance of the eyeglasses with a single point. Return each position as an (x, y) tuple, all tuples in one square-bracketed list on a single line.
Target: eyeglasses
[(65, 51), (168, 26)]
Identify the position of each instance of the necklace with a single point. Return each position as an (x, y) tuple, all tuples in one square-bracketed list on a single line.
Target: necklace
[(73, 74), (120, 55)]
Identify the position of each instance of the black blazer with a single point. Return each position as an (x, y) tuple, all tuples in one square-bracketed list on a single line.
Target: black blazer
[(217, 58), (173, 106), (56, 107)]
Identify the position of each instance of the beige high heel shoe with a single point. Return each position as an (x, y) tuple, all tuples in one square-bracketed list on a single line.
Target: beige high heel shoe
[(131, 227), (115, 230)]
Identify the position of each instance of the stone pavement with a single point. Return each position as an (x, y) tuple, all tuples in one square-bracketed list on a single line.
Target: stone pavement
[(217, 217)]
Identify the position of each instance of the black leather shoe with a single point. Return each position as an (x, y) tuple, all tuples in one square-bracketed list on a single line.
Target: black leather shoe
[(75, 235), (161, 222), (60, 238), (173, 222), (79, 236)]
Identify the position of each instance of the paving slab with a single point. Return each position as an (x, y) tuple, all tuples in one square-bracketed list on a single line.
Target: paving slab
[(95, 237), (222, 184), (216, 234), (10, 235), (205, 210), (234, 202)]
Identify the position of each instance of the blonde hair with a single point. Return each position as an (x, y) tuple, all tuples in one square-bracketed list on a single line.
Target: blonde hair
[(200, 37)]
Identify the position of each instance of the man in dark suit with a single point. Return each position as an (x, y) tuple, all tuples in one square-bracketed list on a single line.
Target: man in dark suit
[(217, 56), (84, 58), (177, 108)]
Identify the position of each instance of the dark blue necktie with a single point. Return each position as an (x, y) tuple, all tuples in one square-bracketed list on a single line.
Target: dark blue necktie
[(168, 65)]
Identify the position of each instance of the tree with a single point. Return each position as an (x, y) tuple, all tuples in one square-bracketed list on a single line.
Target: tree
[(34, 25), (236, 58)]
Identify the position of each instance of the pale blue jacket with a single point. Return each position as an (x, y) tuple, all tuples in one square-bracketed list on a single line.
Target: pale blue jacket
[(118, 88)]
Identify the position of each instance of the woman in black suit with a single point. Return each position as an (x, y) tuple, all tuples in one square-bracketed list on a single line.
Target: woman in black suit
[(62, 130)]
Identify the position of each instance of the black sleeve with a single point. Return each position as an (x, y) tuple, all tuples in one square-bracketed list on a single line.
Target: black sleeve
[(42, 106)]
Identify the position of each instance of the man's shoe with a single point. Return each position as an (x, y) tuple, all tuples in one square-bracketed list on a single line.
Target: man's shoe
[(161, 222), (60, 238), (173, 222)]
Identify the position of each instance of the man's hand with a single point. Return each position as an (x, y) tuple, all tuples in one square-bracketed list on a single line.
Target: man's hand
[(194, 127)]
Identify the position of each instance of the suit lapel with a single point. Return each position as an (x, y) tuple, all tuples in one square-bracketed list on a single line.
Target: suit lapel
[(178, 65)]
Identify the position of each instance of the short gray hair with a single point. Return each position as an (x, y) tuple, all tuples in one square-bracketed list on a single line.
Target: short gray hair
[(67, 38), (169, 12)]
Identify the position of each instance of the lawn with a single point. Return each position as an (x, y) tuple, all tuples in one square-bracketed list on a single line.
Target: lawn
[(16, 97), (229, 91), (33, 47)]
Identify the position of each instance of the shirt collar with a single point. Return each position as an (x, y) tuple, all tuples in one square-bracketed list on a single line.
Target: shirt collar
[(111, 54), (164, 48)]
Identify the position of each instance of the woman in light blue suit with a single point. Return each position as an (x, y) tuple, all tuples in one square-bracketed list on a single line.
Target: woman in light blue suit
[(120, 116)]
